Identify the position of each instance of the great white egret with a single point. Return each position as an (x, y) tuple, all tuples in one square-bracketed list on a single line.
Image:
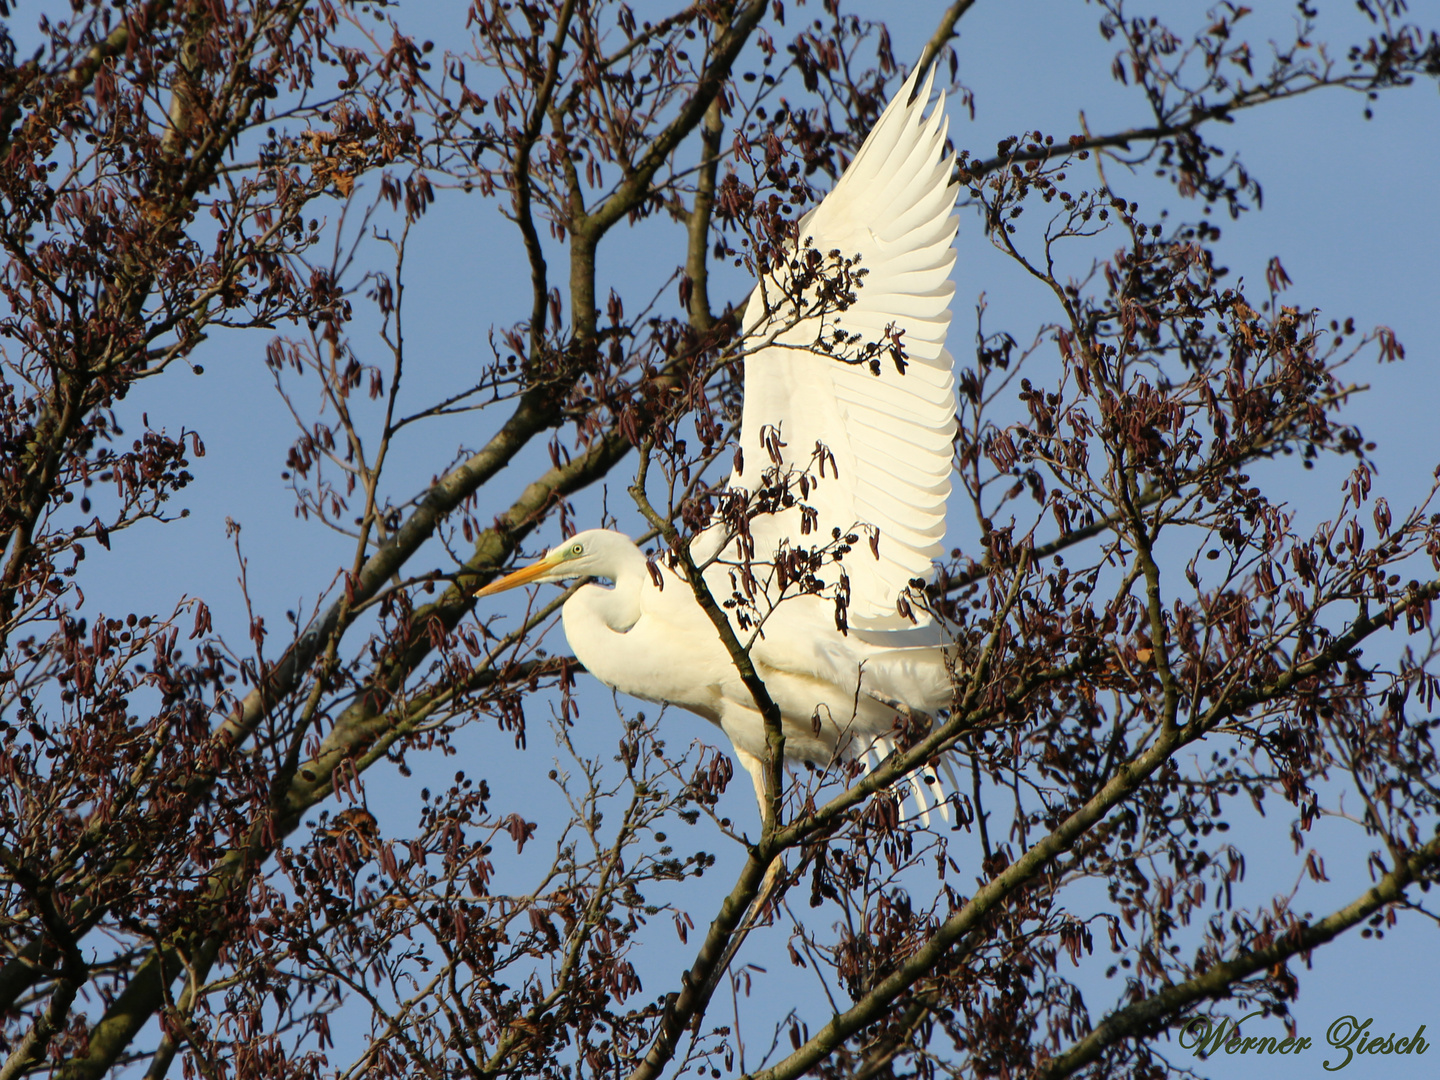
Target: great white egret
[(850, 404)]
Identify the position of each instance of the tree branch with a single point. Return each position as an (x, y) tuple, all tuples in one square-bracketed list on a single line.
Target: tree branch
[(1161, 1010), (524, 216), (941, 37), (635, 186)]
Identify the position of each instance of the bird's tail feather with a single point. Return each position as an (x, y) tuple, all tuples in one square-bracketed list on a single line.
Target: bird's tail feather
[(923, 783)]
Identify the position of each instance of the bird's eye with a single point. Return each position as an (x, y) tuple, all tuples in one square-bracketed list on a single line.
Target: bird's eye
[(576, 549)]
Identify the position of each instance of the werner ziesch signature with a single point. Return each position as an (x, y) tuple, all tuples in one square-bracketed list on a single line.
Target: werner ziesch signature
[(1208, 1037)]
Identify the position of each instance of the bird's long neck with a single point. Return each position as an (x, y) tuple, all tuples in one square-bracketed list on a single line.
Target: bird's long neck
[(610, 611)]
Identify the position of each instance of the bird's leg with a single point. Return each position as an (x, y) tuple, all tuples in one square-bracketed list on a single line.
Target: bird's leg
[(756, 768), (768, 884)]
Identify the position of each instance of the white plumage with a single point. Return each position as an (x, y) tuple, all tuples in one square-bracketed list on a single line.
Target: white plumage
[(885, 437)]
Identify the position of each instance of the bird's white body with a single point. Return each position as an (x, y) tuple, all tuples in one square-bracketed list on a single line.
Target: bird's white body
[(655, 643), (865, 448)]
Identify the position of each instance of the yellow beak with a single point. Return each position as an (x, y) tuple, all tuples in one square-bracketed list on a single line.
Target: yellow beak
[(523, 576)]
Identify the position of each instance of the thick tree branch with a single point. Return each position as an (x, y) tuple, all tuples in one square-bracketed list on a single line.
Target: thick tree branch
[(942, 35), (533, 415), (1162, 1010), (635, 186), (697, 227)]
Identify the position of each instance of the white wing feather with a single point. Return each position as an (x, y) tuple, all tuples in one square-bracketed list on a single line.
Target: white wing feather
[(890, 435)]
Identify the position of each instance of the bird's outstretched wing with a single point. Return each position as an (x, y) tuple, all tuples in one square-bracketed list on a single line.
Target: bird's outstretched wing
[(849, 382)]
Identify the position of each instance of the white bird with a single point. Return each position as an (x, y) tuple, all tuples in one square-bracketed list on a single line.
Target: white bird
[(860, 433)]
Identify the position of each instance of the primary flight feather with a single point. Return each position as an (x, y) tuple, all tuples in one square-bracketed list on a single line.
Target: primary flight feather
[(850, 407)]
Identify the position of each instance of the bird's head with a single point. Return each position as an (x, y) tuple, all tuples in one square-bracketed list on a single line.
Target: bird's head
[(584, 555)]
